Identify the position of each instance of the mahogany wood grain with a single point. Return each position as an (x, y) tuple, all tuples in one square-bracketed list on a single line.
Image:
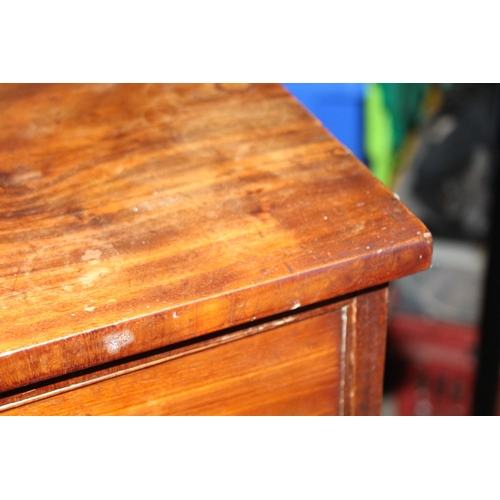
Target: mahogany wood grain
[(73, 381), (323, 360), (134, 217), (292, 369), (366, 342)]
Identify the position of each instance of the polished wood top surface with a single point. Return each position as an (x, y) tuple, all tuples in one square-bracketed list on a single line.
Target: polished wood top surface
[(136, 216)]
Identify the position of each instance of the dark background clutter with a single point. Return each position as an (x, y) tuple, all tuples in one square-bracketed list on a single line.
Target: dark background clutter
[(436, 146)]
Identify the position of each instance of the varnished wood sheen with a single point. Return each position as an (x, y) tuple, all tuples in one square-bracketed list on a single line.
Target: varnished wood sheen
[(366, 353), (136, 217), (76, 380), (252, 375)]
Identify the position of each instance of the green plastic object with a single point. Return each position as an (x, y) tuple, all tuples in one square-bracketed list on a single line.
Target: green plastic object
[(378, 134), (391, 111)]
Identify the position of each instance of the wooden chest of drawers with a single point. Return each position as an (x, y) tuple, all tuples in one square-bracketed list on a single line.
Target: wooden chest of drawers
[(190, 249)]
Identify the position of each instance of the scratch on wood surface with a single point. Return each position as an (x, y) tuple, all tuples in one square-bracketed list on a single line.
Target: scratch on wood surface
[(14, 285), (116, 341), (92, 255), (88, 279)]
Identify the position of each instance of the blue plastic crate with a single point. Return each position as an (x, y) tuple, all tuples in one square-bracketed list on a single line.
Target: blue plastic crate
[(339, 107)]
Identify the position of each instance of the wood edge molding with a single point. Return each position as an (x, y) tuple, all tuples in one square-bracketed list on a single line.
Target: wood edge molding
[(221, 311)]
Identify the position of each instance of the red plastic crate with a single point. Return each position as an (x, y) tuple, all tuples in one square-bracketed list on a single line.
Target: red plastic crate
[(439, 361)]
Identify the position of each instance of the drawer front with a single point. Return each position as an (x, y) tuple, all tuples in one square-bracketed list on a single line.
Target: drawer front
[(306, 363)]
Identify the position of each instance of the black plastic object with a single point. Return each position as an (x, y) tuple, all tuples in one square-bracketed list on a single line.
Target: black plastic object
[(454, 164), (486, 388)]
